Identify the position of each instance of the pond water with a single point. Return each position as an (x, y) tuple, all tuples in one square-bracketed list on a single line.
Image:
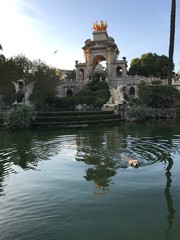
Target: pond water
[(72, 184)]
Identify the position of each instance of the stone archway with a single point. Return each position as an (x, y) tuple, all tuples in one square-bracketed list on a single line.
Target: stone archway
[(97, 60), (131, 91), (119, 71), (69, 93), (81, 73)]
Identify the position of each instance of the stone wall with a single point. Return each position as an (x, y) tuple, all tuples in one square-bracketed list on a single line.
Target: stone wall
[(166, 113)]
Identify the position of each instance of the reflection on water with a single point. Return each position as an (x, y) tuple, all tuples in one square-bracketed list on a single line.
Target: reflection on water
[(96, 155), (169, 199)]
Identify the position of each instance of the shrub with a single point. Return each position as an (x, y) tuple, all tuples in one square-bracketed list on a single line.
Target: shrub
[(99, 102), (158, 96), (20, 116), (140, 112)]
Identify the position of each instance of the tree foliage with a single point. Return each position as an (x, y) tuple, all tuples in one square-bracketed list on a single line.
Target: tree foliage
[(20, 67), (71, 74), (97, 88), (156, 95), (46, 81), (139, 112), (150, 65)]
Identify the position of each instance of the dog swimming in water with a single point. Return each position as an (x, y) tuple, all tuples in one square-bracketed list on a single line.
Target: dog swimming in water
[(132, 162)]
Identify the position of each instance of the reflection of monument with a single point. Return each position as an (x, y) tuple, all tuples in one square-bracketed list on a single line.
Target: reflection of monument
[(101, 176), (102, 168)]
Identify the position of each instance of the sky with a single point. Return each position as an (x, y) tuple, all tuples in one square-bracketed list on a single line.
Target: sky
[(37, 28)]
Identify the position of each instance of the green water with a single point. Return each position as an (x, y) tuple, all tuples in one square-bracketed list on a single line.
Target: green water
[(72, 184)]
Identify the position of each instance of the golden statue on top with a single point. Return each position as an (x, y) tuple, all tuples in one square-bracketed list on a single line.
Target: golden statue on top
[(99, 27)]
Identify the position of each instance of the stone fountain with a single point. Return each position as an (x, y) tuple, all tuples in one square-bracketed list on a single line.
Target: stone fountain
[(116, 101)]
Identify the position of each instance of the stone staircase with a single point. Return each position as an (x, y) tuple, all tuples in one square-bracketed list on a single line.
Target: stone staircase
[(75, 118)]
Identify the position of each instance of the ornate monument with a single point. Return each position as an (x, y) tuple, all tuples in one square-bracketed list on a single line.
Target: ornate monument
[(101, 48), (100, 54)]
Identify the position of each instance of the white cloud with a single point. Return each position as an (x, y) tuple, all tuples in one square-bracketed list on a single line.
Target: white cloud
[(18, 29), (22, 32)]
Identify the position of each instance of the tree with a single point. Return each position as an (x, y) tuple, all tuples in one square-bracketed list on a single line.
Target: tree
[(171, 41), (12, 69), (45, 86), (71, 74), (150, 64), (1, 56), (19, 67)]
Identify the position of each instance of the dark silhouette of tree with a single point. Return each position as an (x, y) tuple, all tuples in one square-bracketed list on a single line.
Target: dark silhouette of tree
[(171, 40)]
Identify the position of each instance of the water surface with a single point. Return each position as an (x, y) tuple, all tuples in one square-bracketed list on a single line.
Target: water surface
[(73, 184)]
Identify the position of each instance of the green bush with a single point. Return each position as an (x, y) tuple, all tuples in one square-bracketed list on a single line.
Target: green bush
[(94, 94), (99, 102), (139, 112), (158, 96), (69, 103), (19, 116)]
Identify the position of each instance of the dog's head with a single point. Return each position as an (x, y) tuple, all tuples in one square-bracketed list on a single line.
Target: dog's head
[(134, 163)]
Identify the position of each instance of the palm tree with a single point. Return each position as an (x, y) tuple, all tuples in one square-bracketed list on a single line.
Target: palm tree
[(171, 40)]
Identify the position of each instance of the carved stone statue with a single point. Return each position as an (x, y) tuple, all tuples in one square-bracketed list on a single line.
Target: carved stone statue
[(116, 100), (22, 92), (99, 27), (117, 95)]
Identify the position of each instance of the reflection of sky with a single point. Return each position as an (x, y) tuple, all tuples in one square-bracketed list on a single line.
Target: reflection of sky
[(69, 146), (63, 144)]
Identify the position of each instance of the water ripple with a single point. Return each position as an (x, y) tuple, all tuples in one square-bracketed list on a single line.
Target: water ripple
[(62, 197)]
